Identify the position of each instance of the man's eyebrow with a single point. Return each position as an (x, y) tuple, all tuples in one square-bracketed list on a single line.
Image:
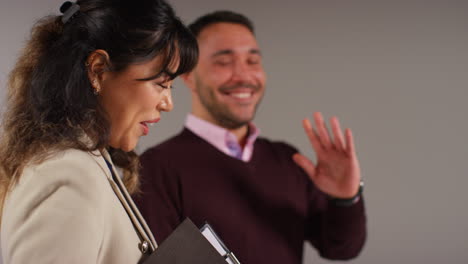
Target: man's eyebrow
[(222, 52), (230, 52), (255, 51)]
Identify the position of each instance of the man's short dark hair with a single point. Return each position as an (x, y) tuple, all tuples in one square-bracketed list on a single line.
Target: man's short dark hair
[(222, 16)]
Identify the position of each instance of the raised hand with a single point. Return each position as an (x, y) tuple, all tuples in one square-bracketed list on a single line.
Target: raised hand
[(337, 171)]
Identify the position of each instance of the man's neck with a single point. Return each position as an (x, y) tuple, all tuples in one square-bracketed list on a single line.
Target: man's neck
[(241, 133)]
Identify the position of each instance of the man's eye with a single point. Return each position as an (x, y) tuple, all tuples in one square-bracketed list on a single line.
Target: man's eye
[(223, 62), (253, 60)]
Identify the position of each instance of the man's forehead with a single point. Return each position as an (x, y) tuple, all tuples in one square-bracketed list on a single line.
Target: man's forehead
[(227, 37)]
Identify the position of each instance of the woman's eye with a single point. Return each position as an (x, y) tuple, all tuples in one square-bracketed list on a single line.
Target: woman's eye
[(163, 85)]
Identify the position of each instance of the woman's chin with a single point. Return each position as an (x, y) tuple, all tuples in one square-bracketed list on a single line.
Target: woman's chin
[(129, 147), (126, 146)]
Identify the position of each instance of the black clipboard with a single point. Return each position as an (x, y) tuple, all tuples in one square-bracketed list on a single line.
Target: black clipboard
[(186, 245)]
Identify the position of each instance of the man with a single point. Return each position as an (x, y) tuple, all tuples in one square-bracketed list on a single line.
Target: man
[(262, 197)]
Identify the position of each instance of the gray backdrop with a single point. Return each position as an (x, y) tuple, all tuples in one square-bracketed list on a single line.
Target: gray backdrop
[(394, 71)]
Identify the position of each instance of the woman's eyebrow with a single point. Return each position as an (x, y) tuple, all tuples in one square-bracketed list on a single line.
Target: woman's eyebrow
[(155, 76)]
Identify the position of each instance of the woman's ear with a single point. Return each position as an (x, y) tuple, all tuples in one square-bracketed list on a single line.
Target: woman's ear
[(97, 63)]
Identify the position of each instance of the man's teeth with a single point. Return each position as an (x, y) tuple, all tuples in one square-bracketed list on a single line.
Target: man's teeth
[(151, 124), (241, 95)]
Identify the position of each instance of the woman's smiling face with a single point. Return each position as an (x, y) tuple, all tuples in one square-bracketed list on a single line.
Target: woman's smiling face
[(132, 103)]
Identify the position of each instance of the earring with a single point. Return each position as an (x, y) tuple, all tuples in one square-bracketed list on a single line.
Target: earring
[(96, 86)]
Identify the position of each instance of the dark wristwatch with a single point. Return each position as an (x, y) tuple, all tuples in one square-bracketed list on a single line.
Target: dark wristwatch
[(348, 201)]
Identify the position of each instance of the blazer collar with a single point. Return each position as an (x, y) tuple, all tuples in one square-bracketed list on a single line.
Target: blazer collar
[(121, 192)]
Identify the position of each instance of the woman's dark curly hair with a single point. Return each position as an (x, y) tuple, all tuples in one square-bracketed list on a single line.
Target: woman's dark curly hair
[(51, 104)]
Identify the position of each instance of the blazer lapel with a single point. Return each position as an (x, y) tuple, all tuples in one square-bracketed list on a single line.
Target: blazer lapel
[(126, 200)]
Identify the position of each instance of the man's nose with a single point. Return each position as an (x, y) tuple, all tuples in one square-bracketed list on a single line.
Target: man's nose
[(241, 72)]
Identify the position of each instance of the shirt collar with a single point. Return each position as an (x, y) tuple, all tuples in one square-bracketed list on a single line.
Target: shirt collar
[(221, 138)]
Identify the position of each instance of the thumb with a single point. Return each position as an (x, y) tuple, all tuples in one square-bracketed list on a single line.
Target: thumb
[(307, 165)]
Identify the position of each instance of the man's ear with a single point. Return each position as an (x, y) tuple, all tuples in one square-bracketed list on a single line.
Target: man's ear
[(98, 63), (189, 80)]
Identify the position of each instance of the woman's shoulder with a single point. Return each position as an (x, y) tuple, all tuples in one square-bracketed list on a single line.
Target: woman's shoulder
[(64, 192), (70, 159), (72, 175), (71, 166)]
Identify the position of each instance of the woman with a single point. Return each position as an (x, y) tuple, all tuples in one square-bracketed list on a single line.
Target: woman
[(86, 87)]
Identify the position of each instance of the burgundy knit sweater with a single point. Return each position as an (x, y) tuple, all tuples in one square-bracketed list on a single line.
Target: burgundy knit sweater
[(263, 209)]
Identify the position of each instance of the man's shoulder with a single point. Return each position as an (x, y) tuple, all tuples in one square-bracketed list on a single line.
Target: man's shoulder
[(275, 145), (175, 153), (173, 146)]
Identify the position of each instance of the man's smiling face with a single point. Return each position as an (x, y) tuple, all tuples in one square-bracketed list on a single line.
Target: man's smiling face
[(229, 78)]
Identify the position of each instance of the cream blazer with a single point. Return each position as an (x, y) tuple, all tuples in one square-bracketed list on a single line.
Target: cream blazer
[(69, 209)]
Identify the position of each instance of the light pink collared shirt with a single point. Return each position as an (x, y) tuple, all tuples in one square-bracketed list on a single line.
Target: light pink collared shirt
[(222, 139)]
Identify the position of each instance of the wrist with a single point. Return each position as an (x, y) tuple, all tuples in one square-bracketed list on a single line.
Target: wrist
[(344, 202)]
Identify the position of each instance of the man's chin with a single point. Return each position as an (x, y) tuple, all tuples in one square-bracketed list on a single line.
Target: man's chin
[(232, 126), (232, 118), (235, 123)]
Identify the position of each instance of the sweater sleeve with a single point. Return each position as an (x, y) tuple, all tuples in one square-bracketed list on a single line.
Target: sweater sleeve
[(159, 199), (52, 215), (336, 232)]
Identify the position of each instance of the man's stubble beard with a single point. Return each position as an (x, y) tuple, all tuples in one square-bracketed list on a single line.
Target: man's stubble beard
[(220, 112)]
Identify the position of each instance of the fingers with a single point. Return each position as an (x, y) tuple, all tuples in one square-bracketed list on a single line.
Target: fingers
[(323, 135), (313, 137), (349, 142), (322, 130), (322, 140), (305, 164), (337, 133)]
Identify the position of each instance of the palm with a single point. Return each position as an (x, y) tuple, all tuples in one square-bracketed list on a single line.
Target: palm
[(337, 170)]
